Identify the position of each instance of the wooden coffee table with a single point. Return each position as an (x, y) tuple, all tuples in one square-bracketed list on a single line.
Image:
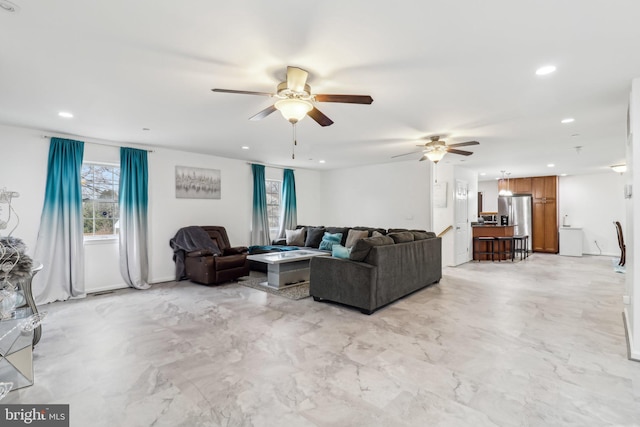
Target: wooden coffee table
[(287, 268)]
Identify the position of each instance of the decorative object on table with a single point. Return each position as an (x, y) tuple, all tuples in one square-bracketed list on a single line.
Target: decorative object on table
[(5, 388), (14, 264), (197, 183)]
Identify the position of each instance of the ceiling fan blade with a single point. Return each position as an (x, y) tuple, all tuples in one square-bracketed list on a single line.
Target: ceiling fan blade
[(462, 144), (242, 92), (423, 158), (406, 154), (264, 113), (462, 152), (296, 79), (319, 117), (348, 99)]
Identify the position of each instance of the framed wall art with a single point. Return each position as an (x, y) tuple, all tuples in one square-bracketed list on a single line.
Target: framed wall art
[(197, 183)]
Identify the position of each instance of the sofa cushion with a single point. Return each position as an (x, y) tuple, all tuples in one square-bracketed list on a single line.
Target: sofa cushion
[(377, 233), (330, 239), (340, 251), (355, 235), (295, 237), (402, 237), (363, 246), (314, 237), (341, 230), (420, 235)]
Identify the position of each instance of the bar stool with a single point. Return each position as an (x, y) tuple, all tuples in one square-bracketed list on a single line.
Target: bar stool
[(502, 247), (521, 246), (486, 243)]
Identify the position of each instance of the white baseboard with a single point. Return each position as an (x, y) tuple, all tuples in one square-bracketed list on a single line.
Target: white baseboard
[(632, 352), (107, 288), (603, 254), (124, 285)]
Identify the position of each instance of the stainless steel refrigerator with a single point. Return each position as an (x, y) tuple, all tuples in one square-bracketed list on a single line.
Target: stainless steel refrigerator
[(517, 209)]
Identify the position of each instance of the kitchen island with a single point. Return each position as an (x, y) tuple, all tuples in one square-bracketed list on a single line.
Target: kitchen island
[(491, 231)]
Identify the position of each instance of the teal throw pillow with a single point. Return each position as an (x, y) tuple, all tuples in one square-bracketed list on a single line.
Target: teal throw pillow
[(328, 240), (340, 251)]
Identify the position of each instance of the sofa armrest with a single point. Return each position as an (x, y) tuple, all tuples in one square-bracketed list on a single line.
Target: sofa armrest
[(236, 250), (344, 281), (199, 253)]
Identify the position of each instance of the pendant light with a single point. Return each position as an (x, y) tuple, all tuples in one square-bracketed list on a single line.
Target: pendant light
[(506, 192)]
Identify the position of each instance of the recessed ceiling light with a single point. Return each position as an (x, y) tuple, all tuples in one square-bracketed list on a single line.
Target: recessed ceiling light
[(563, 174), (321, 161), (244, 147), (65, 114), (483, 173), (547, 69), (7, 6), (567, 120), (550, 165)]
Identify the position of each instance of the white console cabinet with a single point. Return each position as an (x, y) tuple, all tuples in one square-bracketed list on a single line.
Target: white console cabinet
[(571, 241)]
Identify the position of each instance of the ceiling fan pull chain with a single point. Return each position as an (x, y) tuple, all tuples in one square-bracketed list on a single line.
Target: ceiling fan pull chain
[(295, 142)]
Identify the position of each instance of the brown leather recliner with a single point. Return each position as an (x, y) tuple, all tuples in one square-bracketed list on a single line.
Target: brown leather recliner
[(206, 268)]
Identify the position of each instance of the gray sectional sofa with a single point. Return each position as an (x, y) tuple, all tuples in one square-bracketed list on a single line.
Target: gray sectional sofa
[(379, 270)]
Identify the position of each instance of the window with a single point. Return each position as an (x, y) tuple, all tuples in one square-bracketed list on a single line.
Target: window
[(100, 199), (274, 203)]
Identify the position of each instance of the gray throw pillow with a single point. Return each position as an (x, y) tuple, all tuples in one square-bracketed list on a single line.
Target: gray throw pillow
[(402, 237), (361, 249), (355, 235), (295, 237), (314, 237), (376, 233)]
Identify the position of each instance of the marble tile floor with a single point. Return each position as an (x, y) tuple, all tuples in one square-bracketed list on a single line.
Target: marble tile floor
[(532, 343)]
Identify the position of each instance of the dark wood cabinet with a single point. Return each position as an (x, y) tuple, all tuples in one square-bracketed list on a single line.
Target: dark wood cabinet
[(521, 186), (516, 185), (544, 190)]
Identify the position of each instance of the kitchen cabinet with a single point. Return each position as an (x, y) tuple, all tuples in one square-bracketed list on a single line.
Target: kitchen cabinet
[(516, 185), (545, 214), (521, 186)]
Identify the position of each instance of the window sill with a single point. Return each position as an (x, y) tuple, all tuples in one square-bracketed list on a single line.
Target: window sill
[(106, 240)]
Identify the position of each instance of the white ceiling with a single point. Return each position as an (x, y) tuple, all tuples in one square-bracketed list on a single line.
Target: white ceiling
[(465, 69)]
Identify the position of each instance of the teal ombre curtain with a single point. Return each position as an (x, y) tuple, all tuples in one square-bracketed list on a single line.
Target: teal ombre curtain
[(289, 216), (260, 219), (60, 240), (133, 198)]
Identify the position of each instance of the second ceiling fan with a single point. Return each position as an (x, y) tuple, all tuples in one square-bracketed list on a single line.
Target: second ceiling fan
[(436, 148), (295, 100)]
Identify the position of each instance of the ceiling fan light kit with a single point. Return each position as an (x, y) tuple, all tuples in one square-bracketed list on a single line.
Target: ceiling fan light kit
[(293, 109), (436, 148), (434, 155)]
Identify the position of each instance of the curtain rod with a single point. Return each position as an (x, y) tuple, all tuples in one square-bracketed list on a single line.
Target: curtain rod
[(269, 166), (97, 143)]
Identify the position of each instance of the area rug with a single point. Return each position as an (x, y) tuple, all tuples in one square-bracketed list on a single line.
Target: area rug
[(292, 292)]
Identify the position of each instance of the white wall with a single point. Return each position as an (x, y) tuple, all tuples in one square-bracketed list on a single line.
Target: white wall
[(594, 202), (490, 196), (392, 195)]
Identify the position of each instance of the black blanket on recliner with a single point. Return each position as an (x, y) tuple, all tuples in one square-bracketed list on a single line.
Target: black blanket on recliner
[(188, 239)]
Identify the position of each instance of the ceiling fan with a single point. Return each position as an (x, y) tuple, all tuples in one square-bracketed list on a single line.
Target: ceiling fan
[(295, 100), (436, 148)]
